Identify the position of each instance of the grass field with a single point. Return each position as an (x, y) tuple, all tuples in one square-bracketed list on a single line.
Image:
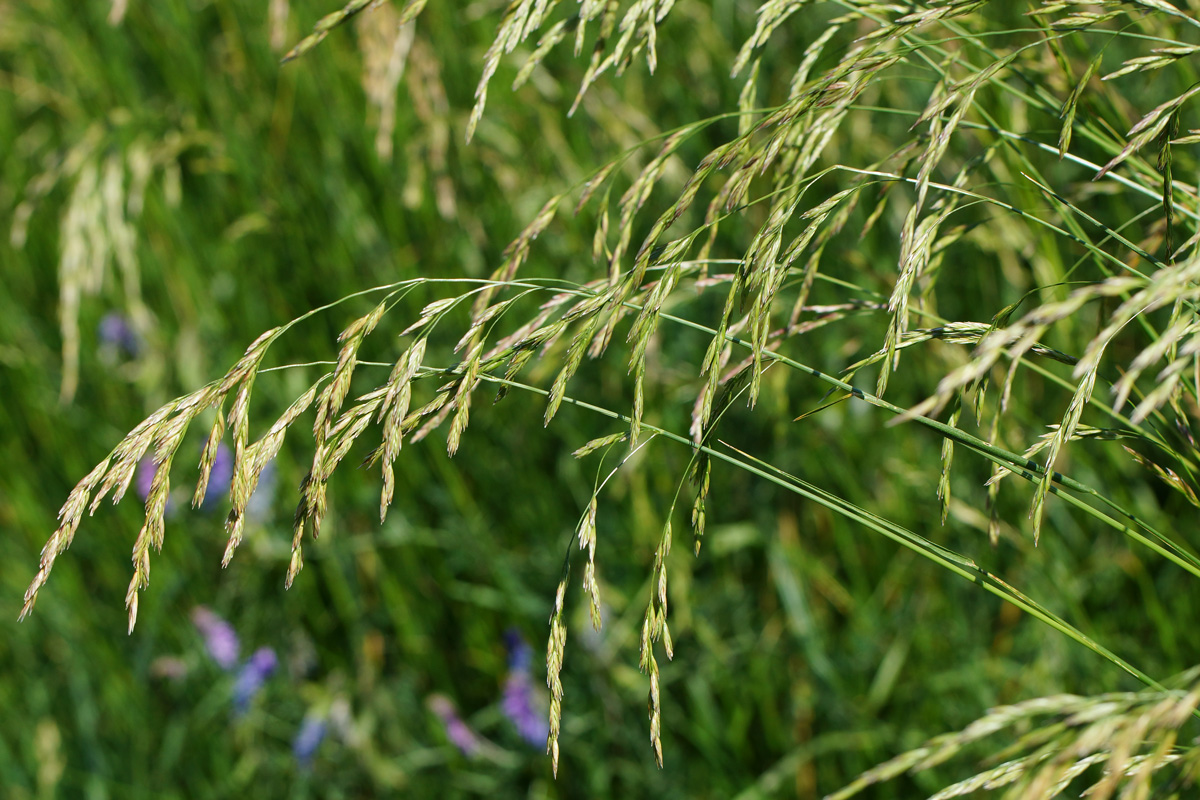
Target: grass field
[(876, 323)]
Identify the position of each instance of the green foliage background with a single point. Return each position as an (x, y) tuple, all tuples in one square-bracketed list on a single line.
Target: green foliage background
[(806, 649)]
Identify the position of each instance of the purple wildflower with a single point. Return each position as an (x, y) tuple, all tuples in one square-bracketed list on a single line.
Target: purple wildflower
[(518, 701), (115, 331), (220, 477), (253, 675), (258, 507), (219, 637), (520, 654), (143, 481), (308, 739), (456, 730), (143, 478)]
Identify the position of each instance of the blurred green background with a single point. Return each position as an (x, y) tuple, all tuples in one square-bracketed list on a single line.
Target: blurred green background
[(160, 159)]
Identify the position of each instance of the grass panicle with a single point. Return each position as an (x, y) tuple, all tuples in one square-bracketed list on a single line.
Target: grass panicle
[(833, 210)]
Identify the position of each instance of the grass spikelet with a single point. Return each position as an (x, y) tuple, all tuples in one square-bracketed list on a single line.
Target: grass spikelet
[(631, 203), (69, 517), (1083, 393), (97, 231), (268, 446), (639, 402), (208, 457), (385, 46), (1168, 340), (943, 490), (1168, 476), (462, 399), (654, 700), (637, 31), (1131, 735), (517, 251), (548, 42), (587, 542), (411, 11), (748, 99), (296, 561), (599, 444), (641, 333), (520, 19), (167, 440), (126, 455), (430, 415), (164, 429), (480, 320), (329, 22), (917, 235), (606, 11), (598, 179), (771, 15), (1165, 161), (703, 478), (248, 363), (520, 357), (1147, 129), (326, 454), (240, 426), (255, 459), (654, 628), (346, 431), (392, 413), (575, 353), (431, 313), (556, 647), (1166, 390), (244, 477), (1021, 337), (1163, 57), (733, 384)]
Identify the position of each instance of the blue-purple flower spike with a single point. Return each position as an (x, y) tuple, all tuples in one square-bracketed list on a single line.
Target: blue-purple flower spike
[(115, 331), (258, 507), (220, 477), (457, 731), (308, 739), (519, 703), (219, 637), (253, 675), (143, 482), (143, 477)]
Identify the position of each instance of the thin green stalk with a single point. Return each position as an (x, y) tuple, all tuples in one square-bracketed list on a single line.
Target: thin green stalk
[(1022, 466), (954, 562)]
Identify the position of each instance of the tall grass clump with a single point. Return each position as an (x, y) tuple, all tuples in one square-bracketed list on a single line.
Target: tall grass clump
[(911, 287)]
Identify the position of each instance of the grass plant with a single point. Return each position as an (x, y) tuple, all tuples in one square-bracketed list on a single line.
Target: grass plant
[(779, 277)]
